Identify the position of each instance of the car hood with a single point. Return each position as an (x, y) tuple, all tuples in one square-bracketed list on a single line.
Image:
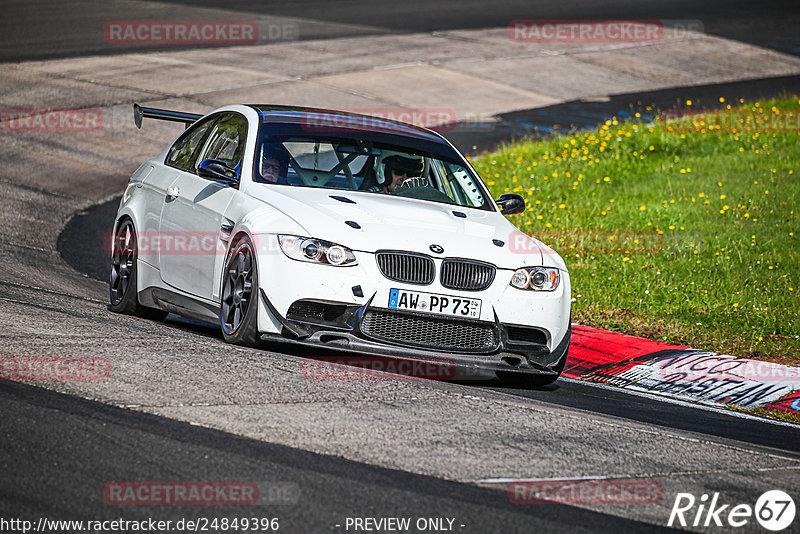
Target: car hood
[(389, 222)]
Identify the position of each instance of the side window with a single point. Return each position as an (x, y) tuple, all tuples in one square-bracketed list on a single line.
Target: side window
[(226, 141), (183, 152)]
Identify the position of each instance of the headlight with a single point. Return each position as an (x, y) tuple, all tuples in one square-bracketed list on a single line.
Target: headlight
[(536, 278), (316, 251)]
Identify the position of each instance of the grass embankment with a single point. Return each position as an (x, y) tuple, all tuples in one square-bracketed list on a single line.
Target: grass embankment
[(683, 229)]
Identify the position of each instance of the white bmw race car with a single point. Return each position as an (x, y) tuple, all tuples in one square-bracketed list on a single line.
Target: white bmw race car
[(332, 229)]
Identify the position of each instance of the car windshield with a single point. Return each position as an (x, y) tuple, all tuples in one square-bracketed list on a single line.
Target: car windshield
[(355, 164)]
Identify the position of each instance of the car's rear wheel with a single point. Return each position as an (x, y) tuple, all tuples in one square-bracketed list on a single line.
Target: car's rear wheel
[(239, 305), (122, 281)]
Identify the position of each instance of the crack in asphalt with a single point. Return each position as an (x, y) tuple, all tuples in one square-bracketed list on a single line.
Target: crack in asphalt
[(50, 292), (271, 403)]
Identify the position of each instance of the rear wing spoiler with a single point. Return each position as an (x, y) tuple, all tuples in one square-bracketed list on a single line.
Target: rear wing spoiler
[(163, 114)]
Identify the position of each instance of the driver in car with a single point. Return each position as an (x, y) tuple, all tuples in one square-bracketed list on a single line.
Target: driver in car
[(274, 165), (401, 171)]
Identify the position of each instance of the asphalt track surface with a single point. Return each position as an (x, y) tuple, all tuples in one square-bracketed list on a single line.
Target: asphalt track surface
[(101, 443), (71, 28), (58, 450)]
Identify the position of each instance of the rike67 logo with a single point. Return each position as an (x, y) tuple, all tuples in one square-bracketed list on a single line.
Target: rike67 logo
[(774, 511)]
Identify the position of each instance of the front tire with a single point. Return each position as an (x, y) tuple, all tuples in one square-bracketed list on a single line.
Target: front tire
[(239, 304), (122, 283)]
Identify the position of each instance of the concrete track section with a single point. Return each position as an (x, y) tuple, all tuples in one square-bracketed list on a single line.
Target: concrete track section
[(42, 29), (179, 404)]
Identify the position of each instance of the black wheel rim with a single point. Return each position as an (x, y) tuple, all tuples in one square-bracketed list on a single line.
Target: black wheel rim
[(237, 287), (123, 257)]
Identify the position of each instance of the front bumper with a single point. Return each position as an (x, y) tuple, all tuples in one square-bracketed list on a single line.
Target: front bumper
[(343, 331), (285, 282)]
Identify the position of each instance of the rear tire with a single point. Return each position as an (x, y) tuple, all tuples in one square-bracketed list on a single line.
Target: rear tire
[(239, 302), (122, 283)]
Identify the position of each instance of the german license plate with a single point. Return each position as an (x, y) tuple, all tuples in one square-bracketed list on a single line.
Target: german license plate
[(401, 299)]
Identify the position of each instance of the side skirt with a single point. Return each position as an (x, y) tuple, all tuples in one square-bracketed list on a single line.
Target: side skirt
[(171, 301)]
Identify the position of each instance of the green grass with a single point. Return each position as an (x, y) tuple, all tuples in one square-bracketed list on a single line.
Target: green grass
[(771, 414), (672, 231)]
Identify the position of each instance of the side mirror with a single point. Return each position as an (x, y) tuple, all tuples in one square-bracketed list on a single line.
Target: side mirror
[(214, 169), (511, 204)]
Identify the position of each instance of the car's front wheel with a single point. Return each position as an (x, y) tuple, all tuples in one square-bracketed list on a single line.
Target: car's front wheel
[(239, 306), (122, 283)]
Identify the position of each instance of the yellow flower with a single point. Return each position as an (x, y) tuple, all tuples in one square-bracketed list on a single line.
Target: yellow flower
[(642, 208)]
